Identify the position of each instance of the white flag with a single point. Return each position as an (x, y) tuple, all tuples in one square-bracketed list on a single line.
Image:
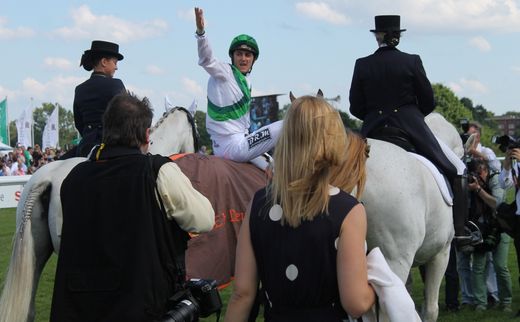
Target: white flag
[(24, 128), (50, 135)]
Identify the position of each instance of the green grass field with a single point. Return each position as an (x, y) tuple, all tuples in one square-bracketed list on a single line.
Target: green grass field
[(44, 294)]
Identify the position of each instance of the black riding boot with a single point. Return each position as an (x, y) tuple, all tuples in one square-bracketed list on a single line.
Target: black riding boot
[(466, 232)]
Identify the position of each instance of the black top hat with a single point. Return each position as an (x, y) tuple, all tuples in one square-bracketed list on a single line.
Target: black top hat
[(104, 47), (387, 23)]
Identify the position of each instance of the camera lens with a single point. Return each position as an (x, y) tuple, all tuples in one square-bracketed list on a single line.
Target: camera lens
[(184, 311)]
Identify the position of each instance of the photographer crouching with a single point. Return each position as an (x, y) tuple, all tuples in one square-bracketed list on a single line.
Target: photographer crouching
[(485, 195), (126, 215)]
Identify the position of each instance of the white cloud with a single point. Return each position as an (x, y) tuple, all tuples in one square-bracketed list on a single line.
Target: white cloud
[(57, 63), (19, 32), (438, 15), (480, 43), (321, 11), (192, 87), (5, 92), (467, 86), (154, 70), (515, 69), (58, 89), (455, 87), (87, 25), (33, 86), (474, 85)]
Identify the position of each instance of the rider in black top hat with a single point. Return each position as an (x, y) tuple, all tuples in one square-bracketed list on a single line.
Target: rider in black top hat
[(92, 96), (390, 89)]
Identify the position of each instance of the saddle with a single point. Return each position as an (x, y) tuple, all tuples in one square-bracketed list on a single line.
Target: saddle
[(393, 135), (403, 140)]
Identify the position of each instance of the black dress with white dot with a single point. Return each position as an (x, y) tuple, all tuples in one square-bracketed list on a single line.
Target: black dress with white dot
[(297, 266)]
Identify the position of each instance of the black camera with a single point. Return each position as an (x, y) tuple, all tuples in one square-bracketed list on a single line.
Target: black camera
[(200, 299), (472, 176), (206, 293), (505, 142), (185, 310), (464, 125)]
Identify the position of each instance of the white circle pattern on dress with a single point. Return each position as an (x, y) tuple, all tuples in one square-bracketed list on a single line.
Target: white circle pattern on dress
[(336, 243), (275, 213), (291, 272), (333, 191)]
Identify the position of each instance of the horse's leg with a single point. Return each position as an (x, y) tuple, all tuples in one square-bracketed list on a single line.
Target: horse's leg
[(27, 259), (435, 269)]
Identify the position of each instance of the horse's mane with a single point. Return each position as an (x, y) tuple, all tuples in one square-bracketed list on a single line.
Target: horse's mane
[(164, 117)]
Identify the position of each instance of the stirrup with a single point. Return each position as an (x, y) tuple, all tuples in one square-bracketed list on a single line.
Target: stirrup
[(474, 232), (471, 238)]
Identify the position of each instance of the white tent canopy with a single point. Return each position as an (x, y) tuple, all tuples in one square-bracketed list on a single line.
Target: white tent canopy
[(5, 148)]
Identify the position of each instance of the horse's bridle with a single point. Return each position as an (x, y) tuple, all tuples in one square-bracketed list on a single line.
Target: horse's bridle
[(194, 131)]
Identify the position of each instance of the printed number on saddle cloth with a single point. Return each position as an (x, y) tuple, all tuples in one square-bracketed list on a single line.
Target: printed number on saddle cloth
[(258, 138)]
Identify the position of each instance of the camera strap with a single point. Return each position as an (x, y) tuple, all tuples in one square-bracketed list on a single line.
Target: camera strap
[(515, 176)]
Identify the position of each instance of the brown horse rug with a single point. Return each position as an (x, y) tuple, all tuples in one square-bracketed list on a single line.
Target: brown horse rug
[(229, 186)]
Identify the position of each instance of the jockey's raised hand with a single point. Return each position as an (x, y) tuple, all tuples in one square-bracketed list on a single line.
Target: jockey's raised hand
[(228, 119), (199, 19)]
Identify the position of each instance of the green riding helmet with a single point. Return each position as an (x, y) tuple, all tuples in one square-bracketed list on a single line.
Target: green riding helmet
[(244, 42)]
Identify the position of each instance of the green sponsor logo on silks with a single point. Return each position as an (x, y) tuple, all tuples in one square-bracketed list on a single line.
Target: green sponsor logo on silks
[(236, 110)]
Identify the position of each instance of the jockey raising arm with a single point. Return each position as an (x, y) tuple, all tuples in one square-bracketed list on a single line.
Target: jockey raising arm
[(229, 99)]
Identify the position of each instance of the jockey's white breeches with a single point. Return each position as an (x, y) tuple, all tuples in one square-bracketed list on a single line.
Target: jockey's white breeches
[(244, 148)]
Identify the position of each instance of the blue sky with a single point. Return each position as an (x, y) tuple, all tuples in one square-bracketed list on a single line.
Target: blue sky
[(470, 46)]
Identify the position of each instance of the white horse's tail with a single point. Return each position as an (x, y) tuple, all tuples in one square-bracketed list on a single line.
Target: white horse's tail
[(16, 297)]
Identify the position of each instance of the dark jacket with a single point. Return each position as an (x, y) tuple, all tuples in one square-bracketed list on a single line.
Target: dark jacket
[(390, 88), (90, 102), (115, 263)]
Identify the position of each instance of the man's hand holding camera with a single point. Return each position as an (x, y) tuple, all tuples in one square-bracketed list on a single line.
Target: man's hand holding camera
[(474, 182), (511, 154)]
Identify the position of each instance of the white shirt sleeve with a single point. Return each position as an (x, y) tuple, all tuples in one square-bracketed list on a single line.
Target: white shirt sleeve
[(506, 179), (207, 61), (188, 207)]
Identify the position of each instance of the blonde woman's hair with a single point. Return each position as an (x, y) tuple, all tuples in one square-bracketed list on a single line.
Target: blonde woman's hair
[(310, 154)]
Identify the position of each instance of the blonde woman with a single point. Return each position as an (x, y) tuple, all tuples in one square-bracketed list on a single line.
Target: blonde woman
[(304, 238)]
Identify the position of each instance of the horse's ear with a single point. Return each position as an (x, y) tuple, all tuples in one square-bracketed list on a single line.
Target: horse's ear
[(167, 104), (320, 93), (193, 107), (291, 96)]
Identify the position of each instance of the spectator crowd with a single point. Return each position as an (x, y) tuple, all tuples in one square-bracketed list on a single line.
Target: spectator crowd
[(26, 160)]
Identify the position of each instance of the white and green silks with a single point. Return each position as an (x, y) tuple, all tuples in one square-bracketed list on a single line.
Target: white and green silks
[(228, 120)]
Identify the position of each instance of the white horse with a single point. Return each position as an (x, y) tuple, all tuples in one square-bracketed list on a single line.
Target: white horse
[(407, 218), (39, 215)]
